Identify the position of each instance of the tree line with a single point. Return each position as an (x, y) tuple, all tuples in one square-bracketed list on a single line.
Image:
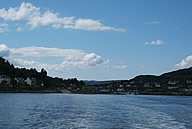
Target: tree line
[(42, 79)]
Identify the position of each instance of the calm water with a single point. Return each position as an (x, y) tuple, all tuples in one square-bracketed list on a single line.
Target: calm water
[(61, 111)]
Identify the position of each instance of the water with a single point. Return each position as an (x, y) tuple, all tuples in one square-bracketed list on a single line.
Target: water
[(63, 111)]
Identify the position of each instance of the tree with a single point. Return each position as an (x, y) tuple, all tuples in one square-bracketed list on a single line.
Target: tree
[(43, 72)]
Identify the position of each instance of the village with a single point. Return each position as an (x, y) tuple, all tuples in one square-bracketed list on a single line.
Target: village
[(134, 87), (6, 81), (115, 87)]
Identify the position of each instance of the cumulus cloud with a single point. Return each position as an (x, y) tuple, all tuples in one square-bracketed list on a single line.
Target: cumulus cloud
[(157, 42), (4, 51), (26, 11), (69, 58), (187, 62), (33, 16), (87, 60)]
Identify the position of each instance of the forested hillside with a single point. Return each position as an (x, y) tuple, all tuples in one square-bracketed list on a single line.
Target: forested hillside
[(12, 77)]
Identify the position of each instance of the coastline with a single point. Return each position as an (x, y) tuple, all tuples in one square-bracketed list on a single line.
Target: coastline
[(35, 91), (55, 91), (69, 92), (167, 94)]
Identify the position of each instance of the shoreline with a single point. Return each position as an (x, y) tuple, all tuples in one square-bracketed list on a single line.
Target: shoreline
[(165, 94), (69, 92), (35, 91)]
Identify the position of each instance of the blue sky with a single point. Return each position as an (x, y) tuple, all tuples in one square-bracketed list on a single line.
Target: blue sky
[(97, 40)]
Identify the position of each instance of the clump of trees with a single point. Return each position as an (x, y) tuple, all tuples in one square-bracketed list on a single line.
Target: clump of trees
[(42, 80)]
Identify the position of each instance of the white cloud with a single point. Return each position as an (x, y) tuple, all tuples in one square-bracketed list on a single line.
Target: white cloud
[(49, 18), (26, 11), (19, 29), (88, 60), (71, 58), (3, 27), (46, 52), (4, 50), (187, 62), (119, 66), (158, 42), (91, 25), (153, 22), (35, 18)]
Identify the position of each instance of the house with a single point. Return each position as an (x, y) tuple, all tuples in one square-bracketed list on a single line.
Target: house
[(42, 84), (104, 90), (157, 85), (120, 89), (147, 85), (172, 87), (30, 81), (132, 82), (172, 82), (128, 86), (121, 86), (20, 80), (188, 81), (125, 82), (187, 90), (5, 79)]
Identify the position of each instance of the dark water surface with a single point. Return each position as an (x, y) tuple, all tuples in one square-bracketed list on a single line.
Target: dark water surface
[(63, 111)]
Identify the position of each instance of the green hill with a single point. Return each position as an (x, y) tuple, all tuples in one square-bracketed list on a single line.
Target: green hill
[(182, 74), (22, 78)]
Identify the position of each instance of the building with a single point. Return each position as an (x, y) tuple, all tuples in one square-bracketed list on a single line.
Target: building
[(157, 85), (172, 87), (20, 81), (5, 79), (104, 90), (120, 89), (172, 82), (30, 81)]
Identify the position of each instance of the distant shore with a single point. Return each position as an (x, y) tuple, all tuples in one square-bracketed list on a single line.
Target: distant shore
[(34, 91), (160, 93), (69, 92)]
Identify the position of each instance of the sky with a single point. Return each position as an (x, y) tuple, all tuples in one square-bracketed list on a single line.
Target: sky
[(97, 39)]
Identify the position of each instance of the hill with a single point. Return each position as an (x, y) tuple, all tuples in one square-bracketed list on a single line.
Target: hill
[(172, 83), (182, 74), (31, 79), (93, 82), (13, 79)]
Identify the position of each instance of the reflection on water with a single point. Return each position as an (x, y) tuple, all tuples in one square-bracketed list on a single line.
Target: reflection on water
[(48, 111)]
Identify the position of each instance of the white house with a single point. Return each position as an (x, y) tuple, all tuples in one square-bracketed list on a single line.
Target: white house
[(157, 85), (121, 86), (5, 78), (172, 82), (147, 85), (172, 87), (120, 89), (188, 81), (19, 80), (30, 81)]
